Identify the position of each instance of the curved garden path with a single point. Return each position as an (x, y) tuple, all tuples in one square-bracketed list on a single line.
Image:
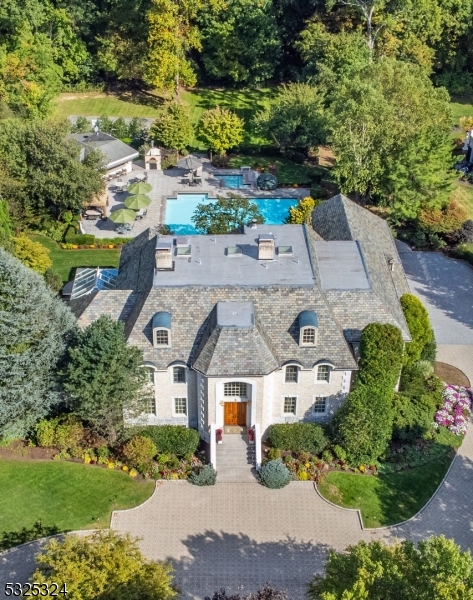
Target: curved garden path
[(240, 535)]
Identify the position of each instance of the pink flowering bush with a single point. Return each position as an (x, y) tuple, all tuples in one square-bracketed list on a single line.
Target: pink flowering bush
[(456, 410)]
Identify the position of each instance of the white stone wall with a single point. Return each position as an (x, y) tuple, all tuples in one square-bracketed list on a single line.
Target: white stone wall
[(265, 398)]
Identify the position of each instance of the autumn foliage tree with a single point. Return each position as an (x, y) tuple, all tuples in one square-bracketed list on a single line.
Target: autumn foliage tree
[(221, 129)]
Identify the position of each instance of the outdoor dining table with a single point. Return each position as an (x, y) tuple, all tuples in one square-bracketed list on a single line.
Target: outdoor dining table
[(120, 185), (91, 214), (141, 176)]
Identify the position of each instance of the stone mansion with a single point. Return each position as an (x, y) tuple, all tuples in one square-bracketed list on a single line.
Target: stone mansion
[(258, 327)]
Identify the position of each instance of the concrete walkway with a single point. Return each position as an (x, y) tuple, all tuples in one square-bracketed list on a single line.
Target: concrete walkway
[(235, 459)]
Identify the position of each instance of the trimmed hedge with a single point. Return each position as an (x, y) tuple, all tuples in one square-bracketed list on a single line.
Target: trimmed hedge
[(420, 329), (298, 437), (172, 439), (207, 475), (381, 353), (274, 474), (80, 238)]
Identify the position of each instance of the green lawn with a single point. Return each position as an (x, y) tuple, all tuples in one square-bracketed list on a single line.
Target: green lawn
[(463, 195), (288, 172), (66, 495), (64, 261), (461, 107), (385, 499), (97, 104)]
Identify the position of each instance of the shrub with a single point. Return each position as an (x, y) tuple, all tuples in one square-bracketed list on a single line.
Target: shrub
[(172, 439), (298, 437), (442, 220), (317, 192), (274, 474), (274, 453), (464, 235), (65, 433), (340, 453), (53, 280), (363, 424), (327, 456), (419, 327), (207, 475), (139, 451), (381, 351), (32, 254)]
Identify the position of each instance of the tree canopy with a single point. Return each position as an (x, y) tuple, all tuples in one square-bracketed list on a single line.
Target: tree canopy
[(226, 215), (103, 377), (221, 129), (436, 568), (34, 326), (173, 127), (105, 566)]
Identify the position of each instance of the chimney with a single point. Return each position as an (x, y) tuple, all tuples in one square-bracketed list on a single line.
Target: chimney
[(266, 246), (163, 256)]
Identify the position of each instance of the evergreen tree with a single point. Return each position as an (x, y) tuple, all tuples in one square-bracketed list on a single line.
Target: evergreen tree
[(34, 325), (103, 377), (420, 329)]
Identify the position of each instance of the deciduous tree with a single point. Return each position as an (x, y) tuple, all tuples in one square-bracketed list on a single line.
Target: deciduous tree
[(34, 325), (173, 127), (436, 568), (221, 129), (225, 215), (302, 212), (103, 377), (103, 566)]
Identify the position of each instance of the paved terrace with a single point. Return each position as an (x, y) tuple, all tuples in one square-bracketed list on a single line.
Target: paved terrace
[(166, 184)]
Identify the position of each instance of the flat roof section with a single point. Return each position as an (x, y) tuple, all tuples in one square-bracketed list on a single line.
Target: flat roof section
[(341, 266), (211, 265), (235, 315)]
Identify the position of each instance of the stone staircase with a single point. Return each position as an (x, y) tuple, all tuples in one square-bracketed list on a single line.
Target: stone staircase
[(235, 459)]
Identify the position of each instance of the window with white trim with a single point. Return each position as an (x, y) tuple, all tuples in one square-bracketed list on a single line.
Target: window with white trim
[(179, 375), (180, 406), (323, 373), (292, 374), (290, 405), (235, 389), (308, 336), (161, 337), (149, 374), (320, 405)]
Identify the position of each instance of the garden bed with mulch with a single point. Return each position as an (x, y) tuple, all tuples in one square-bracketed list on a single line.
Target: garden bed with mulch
[(451, 374)]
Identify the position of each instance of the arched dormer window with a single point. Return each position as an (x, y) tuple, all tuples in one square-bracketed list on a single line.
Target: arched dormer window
[(308, 328), (323, 372), (162, 330)]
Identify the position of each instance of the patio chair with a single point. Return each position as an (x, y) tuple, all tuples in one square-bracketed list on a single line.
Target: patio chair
[(185, 181), (120, 229), (128, 226)]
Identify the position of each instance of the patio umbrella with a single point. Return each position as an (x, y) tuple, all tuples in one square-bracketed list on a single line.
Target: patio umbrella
[(123, 215), (140, 188), (137, 201), (189, 162)]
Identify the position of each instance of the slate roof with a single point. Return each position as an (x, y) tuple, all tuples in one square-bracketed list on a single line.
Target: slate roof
[(221, 350), (116, 152), (341, 219)]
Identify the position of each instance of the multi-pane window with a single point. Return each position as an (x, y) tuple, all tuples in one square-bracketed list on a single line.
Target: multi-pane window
[(292, 373), (290, 405), (308, 336), (179, 375), (323, 372), (235, 388), (162, 337), (149, 374), (180, 406), (152, 406), (320, 405)]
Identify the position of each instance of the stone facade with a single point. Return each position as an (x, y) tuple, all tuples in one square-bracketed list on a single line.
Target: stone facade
[(250, 333)]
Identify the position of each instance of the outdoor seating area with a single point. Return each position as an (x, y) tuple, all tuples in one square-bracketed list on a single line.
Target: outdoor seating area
[(92, 214), (115, 175)]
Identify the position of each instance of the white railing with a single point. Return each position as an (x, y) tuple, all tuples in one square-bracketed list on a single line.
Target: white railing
[(213, 446), (257, 446)]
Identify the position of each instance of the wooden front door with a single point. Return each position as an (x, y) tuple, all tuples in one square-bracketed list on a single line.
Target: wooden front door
[(235, 413)]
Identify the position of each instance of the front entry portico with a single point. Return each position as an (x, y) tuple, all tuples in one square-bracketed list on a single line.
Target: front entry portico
[(235, 413)]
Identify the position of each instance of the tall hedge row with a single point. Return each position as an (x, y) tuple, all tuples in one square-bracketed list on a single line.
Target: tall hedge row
[(381, 352), (172, 439), (423, 340), (298, 437)]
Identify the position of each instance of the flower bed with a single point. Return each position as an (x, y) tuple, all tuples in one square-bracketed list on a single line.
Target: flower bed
[(456, 410)]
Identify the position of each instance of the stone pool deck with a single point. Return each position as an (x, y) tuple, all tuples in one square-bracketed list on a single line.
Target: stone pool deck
[(166, 184)]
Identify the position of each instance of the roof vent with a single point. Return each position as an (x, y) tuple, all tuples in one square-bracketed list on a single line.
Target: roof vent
[(163, 256), (254, 224), (266, 246)]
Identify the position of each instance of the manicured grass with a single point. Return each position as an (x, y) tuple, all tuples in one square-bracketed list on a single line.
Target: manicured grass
[(287, 171), (97, 104), (66, 495), (245, 103), (463, 195), (385, 499), (461, 107), (64, 261)]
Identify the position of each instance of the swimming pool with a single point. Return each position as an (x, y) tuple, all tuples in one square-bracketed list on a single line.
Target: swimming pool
[(180, 210), (232, 181)]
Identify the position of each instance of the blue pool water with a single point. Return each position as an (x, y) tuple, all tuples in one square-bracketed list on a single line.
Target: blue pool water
[(180, 210), (231, 181)]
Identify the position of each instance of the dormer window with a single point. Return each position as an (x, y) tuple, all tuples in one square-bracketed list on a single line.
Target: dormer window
[(162, 330), (308, 328)]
